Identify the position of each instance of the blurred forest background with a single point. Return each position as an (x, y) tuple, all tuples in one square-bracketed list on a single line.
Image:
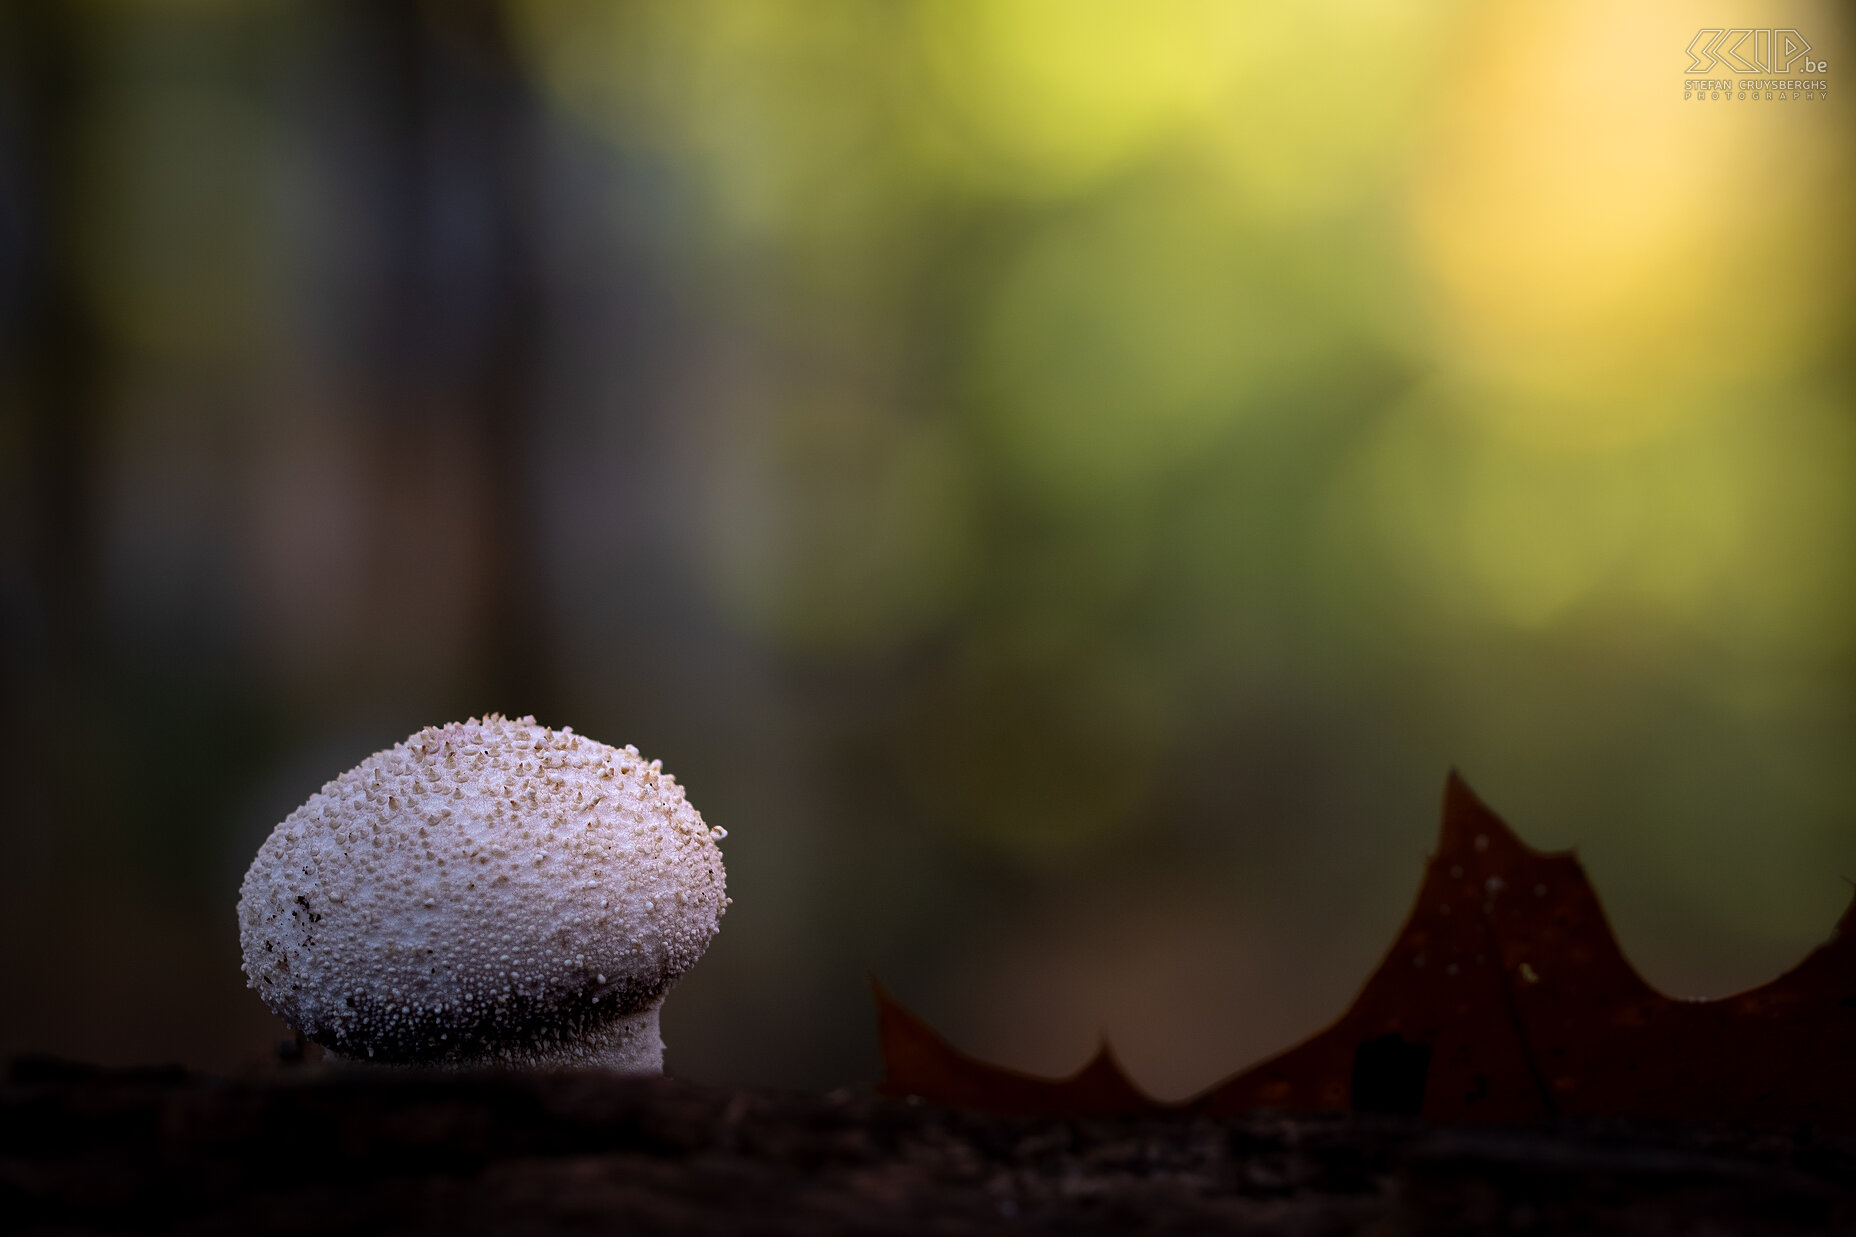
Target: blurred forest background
[(1059, 481)]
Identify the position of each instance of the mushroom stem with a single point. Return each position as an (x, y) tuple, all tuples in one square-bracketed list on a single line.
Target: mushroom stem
[(632, 1044)]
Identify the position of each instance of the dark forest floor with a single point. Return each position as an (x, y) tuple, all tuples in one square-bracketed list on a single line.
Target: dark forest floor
[(314, 1150)]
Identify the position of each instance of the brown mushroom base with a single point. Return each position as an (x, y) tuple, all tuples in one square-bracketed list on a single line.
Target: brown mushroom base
[(631, 1044), (608, 1028)]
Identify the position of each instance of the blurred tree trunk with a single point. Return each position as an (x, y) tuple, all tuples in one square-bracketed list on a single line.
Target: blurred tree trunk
[(59, 366)]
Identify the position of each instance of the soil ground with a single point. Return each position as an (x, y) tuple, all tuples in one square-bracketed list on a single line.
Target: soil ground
[(313, 1149)]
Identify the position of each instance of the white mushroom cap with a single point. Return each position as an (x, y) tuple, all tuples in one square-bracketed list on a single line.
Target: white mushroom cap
[(486, 892)]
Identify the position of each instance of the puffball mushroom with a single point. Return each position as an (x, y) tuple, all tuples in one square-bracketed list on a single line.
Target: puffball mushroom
[(489, 892)]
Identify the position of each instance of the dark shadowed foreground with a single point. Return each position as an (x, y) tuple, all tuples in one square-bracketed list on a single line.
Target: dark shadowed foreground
[(312, 1151)]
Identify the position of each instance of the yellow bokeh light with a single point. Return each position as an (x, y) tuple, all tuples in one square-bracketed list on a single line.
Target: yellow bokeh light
[(1604, 251), (1051, 94)]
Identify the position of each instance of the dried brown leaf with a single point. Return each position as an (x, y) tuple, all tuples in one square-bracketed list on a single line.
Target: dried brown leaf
[(1505, 997)]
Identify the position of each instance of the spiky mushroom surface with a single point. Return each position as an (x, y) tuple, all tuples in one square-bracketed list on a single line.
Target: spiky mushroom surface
[(489, 892)]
